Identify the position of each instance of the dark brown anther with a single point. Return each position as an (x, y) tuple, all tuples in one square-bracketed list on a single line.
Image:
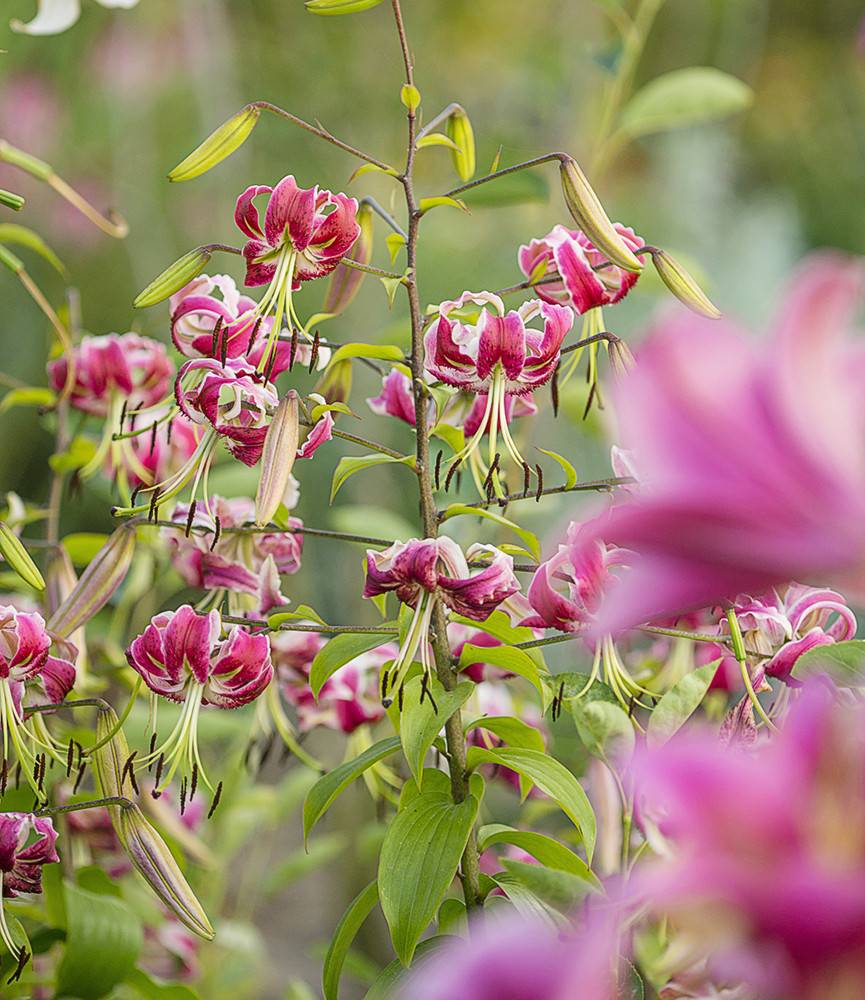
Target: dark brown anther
[(214, 337), (129, 772), (123, 410), (134, 495), (540, 475), (36, 762), (183, 795), (554, 391), (253, 336), (432, 702), (438, 468), (70, 758), (79, 777), (385, 674), (527, 478), (150, 752), (43, 760), (169, 430), (292, 351), (423, 688), (17, 775), (316, 341), (153, 428), (271, 361), (190, 517), (452, 471), (154, 511), (216, 797), (79, 754), (217, 532), (158, 776), (133, 420), (631, 706), (401, 696), (23, 958), (4, 776), (590, 400)]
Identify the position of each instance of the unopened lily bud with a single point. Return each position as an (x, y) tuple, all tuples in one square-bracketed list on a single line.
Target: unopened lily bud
[(588, 212), (11, 200), (682, 285), (97, 584), (218, 145), (61, 579), (345, 281), (277, 458), (460, 130), (622, 360), (335, 384), (174, 277), (144, 847), (333, 8), (18, 558)]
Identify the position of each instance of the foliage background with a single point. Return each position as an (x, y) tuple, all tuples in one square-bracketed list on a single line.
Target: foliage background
[(120, 98)]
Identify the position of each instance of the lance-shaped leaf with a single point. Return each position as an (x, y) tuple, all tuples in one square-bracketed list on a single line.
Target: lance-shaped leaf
[(588, 212), (333, 8), (13, 551), (844, 662), (277, 458), (174, 277), (97, 583), (340, 650), (679, 704), (350, 464), (544, 849), (220, 144), (346, 931), (419, 859), (422, 721), (10, 232)]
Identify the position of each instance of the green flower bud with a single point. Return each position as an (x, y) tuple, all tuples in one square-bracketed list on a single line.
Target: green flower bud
[(221, 143), (173, 278), (460, 130), (682, 285), (18, 558)]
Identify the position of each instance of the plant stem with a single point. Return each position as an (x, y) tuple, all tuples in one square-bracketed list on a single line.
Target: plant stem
[(601, 485), (324, 629), (454, 736), (273, 529), (525, 165)]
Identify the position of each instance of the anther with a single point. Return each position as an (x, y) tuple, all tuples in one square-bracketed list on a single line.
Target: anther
[(540, 492), (190, 517), (438, 467), (79, 777), (216, 533), (216, 796)]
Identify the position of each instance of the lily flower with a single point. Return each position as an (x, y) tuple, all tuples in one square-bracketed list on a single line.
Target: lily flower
[(306, 233), (422, 572), (180, 656), (498, 355), (755, 485), (585, 278), (22, 859), (239, 563), (27, 666)]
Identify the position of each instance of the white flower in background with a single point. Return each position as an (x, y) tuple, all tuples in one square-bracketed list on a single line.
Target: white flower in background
[(54, 16)]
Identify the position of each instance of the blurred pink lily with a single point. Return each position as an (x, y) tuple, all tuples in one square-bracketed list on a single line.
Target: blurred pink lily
[(22, 859), (751, 458), (180, 656), (240, 563), (423, 571), (498, 355), (586, 279), (203, 325)]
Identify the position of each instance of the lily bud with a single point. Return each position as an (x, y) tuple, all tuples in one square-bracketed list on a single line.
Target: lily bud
[(333, 8), (97, 583), (622, 360), (18, 558), (218, 145), (346, 281), (61, 579), (460, 130), (588, 212), (174, 277), (11, 200), (277, 458), (682, 285), (144, 847)]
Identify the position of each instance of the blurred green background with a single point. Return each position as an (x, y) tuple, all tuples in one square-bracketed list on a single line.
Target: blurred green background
[(119, 99)]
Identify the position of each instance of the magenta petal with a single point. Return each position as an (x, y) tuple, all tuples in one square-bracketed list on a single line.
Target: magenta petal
[(320, 433), (258, 272), (585, 289), (339, 230), (291, 212), (242, 670), (189, 638), (395, 399), (245, 212), (503, 339)]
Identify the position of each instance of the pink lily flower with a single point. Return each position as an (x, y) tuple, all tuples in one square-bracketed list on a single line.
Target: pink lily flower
[(114, 369), (152, 456), (313, 227), (498, 355), (755, 485), (21, 860), (765, 856), (586, 279), (395, 398), (235, 400), (423, 571), (321, 433), (180, 656), (239, 563)]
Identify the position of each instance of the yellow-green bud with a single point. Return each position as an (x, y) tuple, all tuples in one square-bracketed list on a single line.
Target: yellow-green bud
[(460, 130), (333, 8), (682, 285), (220, 144), (277, 458), (18, 558), (174, 277)]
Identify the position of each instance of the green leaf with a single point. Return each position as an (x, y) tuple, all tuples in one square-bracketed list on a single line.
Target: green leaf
[(560, 889), (103, 939), (461, 509), (844, 662), (684, 97), (349, 465), (680, 703), (419, 859), (341, 649), (513, 731), (515, 661), (452, 436), (83, 546), (520, 188), (569, 470), (389, 977), (28, 396), (427, 204), (345, 933), (548, 851), (151, 989), (303, 612), (552, 778), (78, 453), (322, 794), (394, 242), (22, 236), (605, 729), (437, 139), (420, 724), (410, 96), (384, 352)]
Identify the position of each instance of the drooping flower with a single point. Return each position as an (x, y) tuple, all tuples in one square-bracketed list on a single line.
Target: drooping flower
[(180, 656), (498, 354), (765, 856), (423, 571), (586, 279), (395, 398), (21, 859), (240, 562), (753, 484), (115, 367)]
